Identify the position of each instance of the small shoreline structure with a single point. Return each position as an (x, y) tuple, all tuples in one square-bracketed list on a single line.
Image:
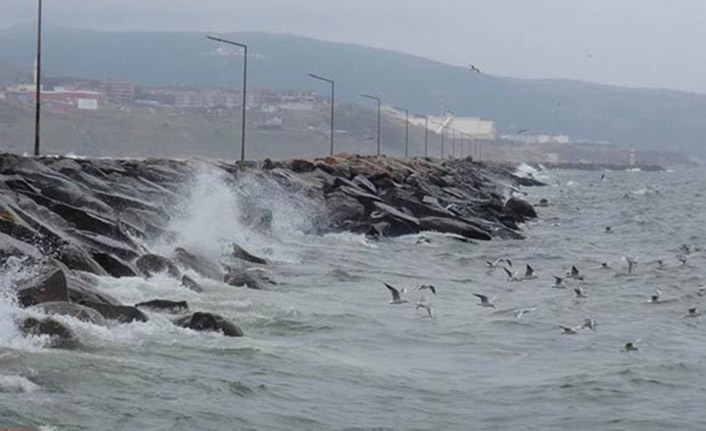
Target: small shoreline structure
[(72, 219)]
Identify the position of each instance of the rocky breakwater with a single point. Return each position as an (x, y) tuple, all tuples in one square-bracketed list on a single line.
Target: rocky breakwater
[(69, 221)]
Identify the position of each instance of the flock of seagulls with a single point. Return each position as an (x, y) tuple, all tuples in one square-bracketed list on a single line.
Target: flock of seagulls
[(574, 274)]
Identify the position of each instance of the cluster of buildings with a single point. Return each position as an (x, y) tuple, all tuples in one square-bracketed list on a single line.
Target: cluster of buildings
[(94, 95)]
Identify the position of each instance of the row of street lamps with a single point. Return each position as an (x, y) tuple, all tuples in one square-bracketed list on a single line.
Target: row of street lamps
[(332, 83), (244, 92)]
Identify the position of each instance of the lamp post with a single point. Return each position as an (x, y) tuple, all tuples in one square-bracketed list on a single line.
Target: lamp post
[(333, 95), (426, 136), (406, 129), (453, 143), (38, 83), (443, 137), (245, 87), (378, 100)]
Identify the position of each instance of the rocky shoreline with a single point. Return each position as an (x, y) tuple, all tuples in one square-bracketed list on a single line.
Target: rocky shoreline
[(73, 219)]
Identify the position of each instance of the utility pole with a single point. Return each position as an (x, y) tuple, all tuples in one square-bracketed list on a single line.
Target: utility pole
[(38, 83), (333, 95), (245, 88)]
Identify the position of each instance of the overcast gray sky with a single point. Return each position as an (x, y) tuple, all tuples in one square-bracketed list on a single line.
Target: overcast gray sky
[(648, 43)]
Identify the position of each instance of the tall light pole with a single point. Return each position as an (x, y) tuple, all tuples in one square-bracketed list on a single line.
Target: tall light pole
[(245, 88), (426, 136), (443, 137), (453, 143), (368, 96), (406, 129), (38, 83), (333, 95)]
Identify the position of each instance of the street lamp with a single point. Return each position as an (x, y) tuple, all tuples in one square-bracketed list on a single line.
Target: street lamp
[(406, 129), (333, 95), (38, 83), (368, 96), (426, 134), (453, 143), (245, 88)]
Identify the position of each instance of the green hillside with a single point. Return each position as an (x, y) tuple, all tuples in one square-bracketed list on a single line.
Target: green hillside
[(649, 119)]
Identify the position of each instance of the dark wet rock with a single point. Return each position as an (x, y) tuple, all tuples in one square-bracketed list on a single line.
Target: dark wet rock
[(543, 203), (300, 165), (50, 287), (251, 279), (241, 253), (458, 227), (520, 209), (76, 311), (152, 264), (400, 223), (528, 181), (120, 313), (209, 322), (10, 247), (114, 266), (77, 259), (199, 264), (165, 305), (61, 336), (342, 207), (191, 284), (365, 184)]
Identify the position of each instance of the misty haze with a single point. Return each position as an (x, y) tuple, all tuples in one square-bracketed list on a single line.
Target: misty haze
[(352, 215)]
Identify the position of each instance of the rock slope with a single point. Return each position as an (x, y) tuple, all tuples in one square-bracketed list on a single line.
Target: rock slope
[(73, 219)]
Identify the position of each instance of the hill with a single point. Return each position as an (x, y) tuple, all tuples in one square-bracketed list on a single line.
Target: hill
[(645, 118)]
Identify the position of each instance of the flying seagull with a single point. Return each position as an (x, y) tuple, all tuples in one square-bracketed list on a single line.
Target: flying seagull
[(529, 273), (474, 68), (428, 307), (566, 330), (631, 346), (428, 286), (580, 293), (575, 274), (523, 311), (396, 298), (484, 301), (494, 264), (590, 324), (655, 298), (693, 312), (632, 261), (559, 283), (511, 275)]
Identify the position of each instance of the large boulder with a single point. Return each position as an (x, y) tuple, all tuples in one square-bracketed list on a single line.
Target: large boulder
[(197, 263), (520, 209), (61, 336), (191, 284), (242, 254), (249, 279), (400, 223), (152, 264), (458, 227), (76, 311), (50, 287), (209, 322), (120, 313), (343, 207), (164, 305)]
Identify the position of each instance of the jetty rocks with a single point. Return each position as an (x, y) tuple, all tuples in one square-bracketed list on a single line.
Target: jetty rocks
[(381, 196), (73, 220)]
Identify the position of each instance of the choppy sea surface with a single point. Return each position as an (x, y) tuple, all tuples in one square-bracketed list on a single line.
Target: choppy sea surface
[(324, 349)]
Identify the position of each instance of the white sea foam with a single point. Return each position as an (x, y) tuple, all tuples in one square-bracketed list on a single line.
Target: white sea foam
[(10, 383)]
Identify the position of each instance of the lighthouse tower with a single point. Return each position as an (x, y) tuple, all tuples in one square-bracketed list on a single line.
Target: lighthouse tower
[(632, 156)]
